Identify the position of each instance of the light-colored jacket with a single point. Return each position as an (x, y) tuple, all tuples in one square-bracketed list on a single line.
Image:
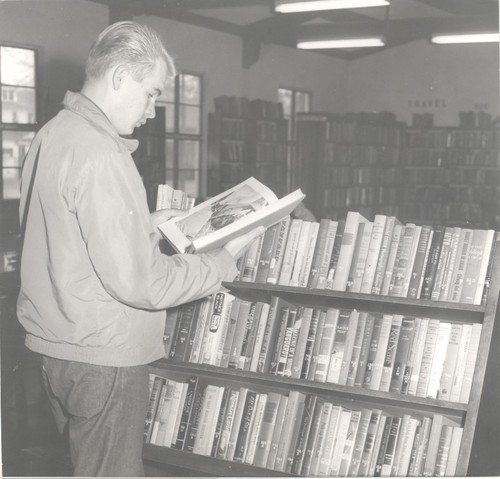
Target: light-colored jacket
[(94, 284)]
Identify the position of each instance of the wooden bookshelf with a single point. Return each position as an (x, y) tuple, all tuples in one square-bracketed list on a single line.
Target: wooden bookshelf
[(350, 162), (452, 176), (246, 143), (465, 414)]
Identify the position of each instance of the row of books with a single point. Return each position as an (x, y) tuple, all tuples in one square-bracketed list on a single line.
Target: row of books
[(361, 155), (413, 356), (381, 257), (450, 158), (341, 176), (168, 197), (453, 138), (244, 107), (297, 433), (453, 194), (460, 213)]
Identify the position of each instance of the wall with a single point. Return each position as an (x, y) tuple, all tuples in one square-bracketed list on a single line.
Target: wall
[(420, 77)]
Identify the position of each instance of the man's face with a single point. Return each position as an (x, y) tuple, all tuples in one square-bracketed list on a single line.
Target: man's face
[(137, 99)]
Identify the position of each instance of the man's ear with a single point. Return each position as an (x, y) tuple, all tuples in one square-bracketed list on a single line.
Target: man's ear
[(120, 73)]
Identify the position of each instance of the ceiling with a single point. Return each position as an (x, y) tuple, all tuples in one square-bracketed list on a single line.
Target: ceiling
[(257, 23)]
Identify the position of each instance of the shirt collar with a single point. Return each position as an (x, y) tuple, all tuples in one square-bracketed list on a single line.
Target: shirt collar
[(82, 105)]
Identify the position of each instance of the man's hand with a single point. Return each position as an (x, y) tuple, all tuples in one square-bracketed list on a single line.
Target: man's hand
[(237, 246), (160, 216)]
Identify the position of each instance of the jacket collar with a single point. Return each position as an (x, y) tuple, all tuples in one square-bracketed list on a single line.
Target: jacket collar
[(85, 107)]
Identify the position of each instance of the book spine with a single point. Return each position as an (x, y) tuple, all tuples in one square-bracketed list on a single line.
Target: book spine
[(278, 251)]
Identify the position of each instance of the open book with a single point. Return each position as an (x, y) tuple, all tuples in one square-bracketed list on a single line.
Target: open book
[(214, 222)]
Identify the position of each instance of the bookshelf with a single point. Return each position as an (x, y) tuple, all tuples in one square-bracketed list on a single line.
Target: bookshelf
[(246, 138), (350, 162), (465, 413), (452, 176)]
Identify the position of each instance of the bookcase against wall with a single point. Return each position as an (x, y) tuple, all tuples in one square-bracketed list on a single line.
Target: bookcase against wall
[(465, 414), (452, 176), (350, 162), (248, 141)]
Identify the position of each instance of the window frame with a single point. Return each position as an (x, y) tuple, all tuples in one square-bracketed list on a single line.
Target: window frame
[(21, 127), (177, 136)]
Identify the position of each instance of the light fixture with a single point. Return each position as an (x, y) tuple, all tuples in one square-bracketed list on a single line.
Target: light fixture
[(341, 43), (315, 5), (450, 38)]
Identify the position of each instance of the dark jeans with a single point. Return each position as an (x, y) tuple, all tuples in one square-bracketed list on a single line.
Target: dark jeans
[(102, 410)]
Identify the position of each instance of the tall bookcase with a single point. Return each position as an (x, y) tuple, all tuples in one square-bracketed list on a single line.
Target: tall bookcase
[(350, 162), (246, 141), (465, 414), (452, 176)]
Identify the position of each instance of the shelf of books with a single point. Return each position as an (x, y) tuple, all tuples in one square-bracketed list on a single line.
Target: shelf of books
[(246, 138), (354, 347), (452, 175), (350, 162)]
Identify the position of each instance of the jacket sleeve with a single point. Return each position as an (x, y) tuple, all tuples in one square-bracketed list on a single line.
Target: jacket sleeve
[(123, 243)]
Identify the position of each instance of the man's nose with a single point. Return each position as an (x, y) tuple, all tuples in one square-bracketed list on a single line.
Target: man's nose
[(150, 110)]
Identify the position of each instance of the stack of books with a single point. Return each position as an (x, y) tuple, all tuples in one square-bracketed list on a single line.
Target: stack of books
[(296, 432)]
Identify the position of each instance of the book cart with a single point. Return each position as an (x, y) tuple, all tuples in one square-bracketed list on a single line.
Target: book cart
[(465, 414)]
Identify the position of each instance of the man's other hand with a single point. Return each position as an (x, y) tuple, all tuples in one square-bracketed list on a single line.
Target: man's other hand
[(160, 216)]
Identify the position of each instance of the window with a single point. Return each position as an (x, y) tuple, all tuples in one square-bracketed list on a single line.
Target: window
[(17, 114), (182, 102), (294, 101)]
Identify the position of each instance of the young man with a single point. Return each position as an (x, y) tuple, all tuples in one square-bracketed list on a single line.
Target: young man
[(94, 285)]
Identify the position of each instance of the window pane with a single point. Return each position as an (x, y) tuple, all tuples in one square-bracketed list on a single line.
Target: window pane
[(170, 175), (18, 105), (189, 154), (169, 153), (17, 66), (285, 98), (189, 89), (11, 178), (169, 117), (15, 145), (189, 119), (168, 93), (302, 101), (189, 182)]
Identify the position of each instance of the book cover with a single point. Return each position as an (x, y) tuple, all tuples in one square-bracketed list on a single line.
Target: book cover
[(310, 342), (239, 333), (232, 213), (352, 222), (380, 445), (359, 443), (196, 340), (377, 351), (194, 418), (255, 427), (154, 399), (402, 260), (266, 253), (376, 238), (457, 277), (250, 264), (427, 357), (249, 334), (390, 353), (421, 256), (290, 251), (369, 446), (390, 449), (278, 427), (450, 362), (356, 349), (302, 338), (265, 436), (231, 331), (245, 424), (438, 359), (391, 258), (271, 331), (313, 439), (322, 253), (329, 440), (287, 340), (450, 265), (339, 346), (443, 451), (364, 351), (483, 268), (404, 344), (470, 363), (411, 261), (297, 449), (463, 349), (310, 364), (349, 346), (326, 345), (279, 246), (259, 336), (454, 452), (236, 423), (350, 439), (432, 263), (306, 266), (441, 266), (334, 258), (229, 416), (381, 266), (340, 441), (219, 425), (299, 257), (416, 354), (359, 253)]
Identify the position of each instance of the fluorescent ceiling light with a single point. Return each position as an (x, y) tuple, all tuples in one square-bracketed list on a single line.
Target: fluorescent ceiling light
[(446, 39), (315, 5), (341, 43)]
